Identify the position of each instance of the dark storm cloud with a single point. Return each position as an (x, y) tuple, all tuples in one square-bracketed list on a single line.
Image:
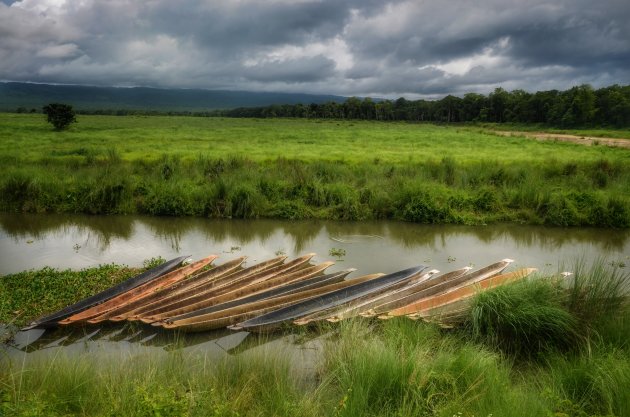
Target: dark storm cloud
[(387, 48)]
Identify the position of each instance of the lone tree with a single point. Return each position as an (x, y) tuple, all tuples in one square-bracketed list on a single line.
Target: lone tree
[(59, 115)]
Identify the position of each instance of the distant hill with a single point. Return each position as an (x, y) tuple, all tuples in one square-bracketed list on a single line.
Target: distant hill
[(34, 96)]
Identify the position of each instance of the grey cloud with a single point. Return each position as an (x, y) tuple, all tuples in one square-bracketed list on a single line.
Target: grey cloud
[(292, 71), (391, 48)]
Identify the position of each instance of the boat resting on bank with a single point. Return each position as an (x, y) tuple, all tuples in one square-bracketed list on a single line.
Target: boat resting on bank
[(238, 314), (140, 291), (424, 306), (276, 318), (284, 290), (53, 319), (267, 295), (439, 285)]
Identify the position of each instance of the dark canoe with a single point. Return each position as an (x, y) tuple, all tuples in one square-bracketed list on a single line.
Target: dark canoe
[(353, 308), (52, 319), (276, 318), (304, 285)]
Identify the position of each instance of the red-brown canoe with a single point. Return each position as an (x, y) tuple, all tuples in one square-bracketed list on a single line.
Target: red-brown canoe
[(140, 291)]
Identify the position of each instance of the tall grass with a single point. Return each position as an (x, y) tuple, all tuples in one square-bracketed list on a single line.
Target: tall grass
[(243, 188), (393, 368), (408, 369), (525, 319), (303, 169), (172, 384), (545, 315)]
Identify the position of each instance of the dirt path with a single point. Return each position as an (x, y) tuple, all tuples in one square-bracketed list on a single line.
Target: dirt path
[(583, 140)]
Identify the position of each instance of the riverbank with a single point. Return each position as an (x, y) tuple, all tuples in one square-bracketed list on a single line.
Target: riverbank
[(303, 169), (530, 348)]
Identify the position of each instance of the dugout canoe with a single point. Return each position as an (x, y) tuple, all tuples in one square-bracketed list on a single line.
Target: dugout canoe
[(276, 318), (423, 307), (52, 319), (371, 309), (188, 284), (252, 274), (299, 286), (191, 284), (440, 285), (352, 308), (223, 281), (211, 299), (140, 291), (451, 310), (238, 314)]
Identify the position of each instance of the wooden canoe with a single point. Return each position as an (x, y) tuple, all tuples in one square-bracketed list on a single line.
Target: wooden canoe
[(193, 283), (351, 308), (401, 296), (167, 296), (276, 318), (52, 319), (420, 307), (452, 310), (210, 299), (442, 284), (140, 291), (238, 314), (292, 288), (224, 284), (183, 286)]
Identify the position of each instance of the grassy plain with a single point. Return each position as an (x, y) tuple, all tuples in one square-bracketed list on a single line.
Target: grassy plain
[(531, 348), (594, 132), (295, 168)]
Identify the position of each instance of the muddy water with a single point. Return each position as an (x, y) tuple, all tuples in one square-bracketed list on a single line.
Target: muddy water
[(35, 241)]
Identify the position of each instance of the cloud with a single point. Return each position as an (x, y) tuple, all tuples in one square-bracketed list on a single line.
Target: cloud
[(355, 47)]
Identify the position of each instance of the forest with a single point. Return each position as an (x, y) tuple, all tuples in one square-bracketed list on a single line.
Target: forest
[(580, 106)]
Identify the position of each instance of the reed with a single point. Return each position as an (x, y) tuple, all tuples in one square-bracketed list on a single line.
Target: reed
[(598, 295), (525, 319), (594, 384), (535, 317), (172, 384)]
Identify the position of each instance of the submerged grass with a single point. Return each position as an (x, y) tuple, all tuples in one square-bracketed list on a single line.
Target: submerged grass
[(295, 169)]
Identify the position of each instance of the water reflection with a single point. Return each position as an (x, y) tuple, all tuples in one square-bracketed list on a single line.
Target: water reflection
[(34, 241), (112, 340)]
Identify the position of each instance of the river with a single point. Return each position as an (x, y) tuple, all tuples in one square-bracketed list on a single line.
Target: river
[(78, 241)]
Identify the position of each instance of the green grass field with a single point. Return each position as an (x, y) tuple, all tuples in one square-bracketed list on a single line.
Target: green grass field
[(595, 132), (294, 168), (30, 138)]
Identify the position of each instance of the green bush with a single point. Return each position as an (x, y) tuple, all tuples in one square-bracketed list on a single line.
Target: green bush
[(524, 319)]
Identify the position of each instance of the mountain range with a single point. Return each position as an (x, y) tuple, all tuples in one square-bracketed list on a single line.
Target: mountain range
[(14, 95)]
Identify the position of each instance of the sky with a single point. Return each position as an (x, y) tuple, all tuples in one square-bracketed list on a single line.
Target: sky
[(378, 48)]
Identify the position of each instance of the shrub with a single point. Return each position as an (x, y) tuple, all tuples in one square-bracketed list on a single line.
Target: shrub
[(524, 319), (59, 115)]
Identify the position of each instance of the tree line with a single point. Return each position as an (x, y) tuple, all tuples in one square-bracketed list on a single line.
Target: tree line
[(580, 106)]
